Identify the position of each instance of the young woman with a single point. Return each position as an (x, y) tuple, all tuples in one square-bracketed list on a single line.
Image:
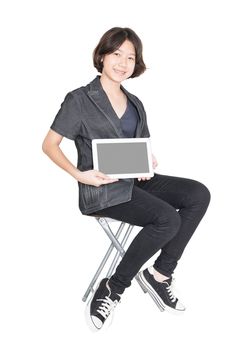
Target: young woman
[(168, 208)]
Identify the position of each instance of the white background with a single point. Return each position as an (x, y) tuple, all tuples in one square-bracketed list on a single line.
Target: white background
[(195, 92)]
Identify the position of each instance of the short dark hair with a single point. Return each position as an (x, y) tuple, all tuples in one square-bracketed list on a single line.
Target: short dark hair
[(112, 40)]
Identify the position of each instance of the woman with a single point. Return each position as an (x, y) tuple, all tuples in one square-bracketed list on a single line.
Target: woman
[(168, 208)]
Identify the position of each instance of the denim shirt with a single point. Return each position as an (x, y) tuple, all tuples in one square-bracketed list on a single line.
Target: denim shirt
[(86, 114)]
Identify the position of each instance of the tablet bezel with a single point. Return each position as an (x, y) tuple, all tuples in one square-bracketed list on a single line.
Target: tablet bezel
[(146, 140)]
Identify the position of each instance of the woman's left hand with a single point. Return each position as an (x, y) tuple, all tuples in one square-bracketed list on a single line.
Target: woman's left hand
[(154, 165)]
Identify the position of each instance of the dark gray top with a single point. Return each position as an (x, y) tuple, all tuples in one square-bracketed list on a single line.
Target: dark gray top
[(129, 120), (86, 114)]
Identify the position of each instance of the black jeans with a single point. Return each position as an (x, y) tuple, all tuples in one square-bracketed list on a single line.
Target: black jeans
[(153, 206)]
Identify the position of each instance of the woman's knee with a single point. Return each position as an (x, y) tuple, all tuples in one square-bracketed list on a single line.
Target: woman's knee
[(200, 193), (204, 193)]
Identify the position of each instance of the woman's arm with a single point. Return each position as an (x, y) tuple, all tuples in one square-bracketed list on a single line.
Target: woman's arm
[(51, 147)]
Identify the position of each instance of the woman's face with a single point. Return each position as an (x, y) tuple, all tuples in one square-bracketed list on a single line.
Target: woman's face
[(120, 64)]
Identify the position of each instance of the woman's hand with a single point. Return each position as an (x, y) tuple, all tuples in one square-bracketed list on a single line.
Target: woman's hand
[(94, 178), (154, 162), (154, 165)]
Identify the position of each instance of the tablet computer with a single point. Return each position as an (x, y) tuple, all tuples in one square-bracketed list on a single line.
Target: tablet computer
[(123, 157)]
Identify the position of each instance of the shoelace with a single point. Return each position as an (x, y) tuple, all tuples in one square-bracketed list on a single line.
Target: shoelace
[(171, 295), (106, 306)]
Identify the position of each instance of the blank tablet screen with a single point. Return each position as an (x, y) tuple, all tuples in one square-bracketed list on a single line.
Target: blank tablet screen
[(124, 157)]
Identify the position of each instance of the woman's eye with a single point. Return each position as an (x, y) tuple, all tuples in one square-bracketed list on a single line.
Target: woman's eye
[(118, 54)]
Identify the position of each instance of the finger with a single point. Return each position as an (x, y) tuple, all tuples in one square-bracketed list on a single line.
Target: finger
[(105, 177), (102, 175)]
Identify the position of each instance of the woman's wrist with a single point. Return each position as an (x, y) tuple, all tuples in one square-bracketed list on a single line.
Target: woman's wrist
[(76, 174)]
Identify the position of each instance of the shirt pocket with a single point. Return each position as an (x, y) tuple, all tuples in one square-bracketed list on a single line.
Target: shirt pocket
[(92, 196)]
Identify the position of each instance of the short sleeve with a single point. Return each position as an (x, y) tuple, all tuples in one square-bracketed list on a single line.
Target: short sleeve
[(67, 121)]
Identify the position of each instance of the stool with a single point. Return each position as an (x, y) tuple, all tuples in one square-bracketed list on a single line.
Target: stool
[(103, 221)]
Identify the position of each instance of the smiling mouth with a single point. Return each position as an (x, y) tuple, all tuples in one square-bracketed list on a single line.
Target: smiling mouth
[(119, 72)]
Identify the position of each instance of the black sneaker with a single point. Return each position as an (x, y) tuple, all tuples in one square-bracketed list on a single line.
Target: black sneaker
[(161, 292), (101, 305)]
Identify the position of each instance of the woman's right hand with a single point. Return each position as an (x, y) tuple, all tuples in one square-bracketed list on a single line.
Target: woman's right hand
[(94, 178), (51, 146)]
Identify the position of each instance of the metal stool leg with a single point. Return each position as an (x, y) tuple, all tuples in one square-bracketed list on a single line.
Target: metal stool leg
[(120, 252), (110, 234), (107, 229)]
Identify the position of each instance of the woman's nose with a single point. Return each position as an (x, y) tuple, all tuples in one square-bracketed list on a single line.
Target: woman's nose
[(123, 62)]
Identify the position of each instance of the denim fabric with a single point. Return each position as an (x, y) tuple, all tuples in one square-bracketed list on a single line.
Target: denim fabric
[(86, 114), (169, 209)]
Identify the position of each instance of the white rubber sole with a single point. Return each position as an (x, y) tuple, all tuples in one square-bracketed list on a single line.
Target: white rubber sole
[(89, 320), (159, 302)]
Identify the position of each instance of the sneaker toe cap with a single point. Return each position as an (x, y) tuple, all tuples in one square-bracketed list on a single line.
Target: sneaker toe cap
[(180, 306), (97, 322)]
